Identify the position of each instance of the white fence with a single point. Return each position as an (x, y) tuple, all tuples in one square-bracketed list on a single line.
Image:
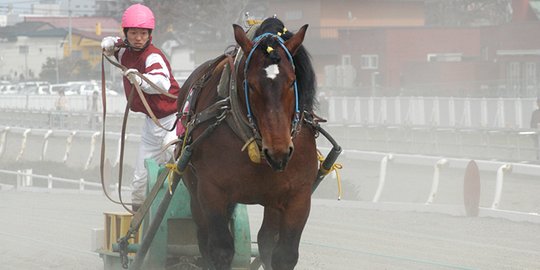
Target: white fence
[(28, 181), (394, 111), (502, 169), (19, 144), (430, 111), (115, 104)]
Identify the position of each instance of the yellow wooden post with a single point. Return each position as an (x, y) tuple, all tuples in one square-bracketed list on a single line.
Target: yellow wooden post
[(116, 226)]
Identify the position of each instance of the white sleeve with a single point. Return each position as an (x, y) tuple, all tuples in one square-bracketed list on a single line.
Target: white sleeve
[(159, 74)]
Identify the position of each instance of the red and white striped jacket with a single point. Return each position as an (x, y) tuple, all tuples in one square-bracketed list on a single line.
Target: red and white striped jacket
[(154, 65)]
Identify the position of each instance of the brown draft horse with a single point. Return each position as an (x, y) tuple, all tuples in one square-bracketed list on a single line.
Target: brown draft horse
[(277, 91)]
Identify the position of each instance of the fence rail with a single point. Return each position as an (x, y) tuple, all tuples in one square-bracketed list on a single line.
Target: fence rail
[(26, 144), (25, 180), (387, 111), (502, 169), (430, 111)]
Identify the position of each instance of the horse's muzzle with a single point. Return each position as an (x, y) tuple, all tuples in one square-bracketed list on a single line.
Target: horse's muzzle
[(278, 159)]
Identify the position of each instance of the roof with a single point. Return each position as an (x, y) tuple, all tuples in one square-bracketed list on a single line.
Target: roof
[(32, 29), (87, 24), (88, 34)]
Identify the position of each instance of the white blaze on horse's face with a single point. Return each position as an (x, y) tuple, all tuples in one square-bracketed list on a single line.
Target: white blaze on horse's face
[(272, 71)]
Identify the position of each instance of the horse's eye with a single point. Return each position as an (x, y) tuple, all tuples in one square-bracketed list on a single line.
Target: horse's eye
[(251, 87)]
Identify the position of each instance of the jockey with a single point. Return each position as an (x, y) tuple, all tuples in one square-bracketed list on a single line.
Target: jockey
[(138, 54)]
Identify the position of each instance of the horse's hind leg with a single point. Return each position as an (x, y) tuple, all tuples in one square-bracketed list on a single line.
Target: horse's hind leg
[(268, 236), (199, 219)]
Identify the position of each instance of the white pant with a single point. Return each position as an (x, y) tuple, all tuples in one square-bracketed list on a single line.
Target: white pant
[(153, 138)]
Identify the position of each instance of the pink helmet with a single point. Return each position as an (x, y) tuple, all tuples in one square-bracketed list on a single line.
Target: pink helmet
[(138, 16)]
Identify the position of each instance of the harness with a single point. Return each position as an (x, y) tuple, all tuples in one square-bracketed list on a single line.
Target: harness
[(227, 109), (256, 44)]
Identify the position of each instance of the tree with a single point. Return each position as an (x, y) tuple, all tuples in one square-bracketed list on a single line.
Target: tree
[(468, 12), (48, 70), (69, 69), (197, 22)]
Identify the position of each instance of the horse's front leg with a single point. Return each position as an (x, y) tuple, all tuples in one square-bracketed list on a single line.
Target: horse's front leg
[(268, 236), (293, 220), (220, 241)]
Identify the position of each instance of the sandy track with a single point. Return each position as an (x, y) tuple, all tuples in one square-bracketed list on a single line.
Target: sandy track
[(52, 231)]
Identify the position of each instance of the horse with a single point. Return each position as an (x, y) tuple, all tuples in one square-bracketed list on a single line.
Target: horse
[(277, 84)]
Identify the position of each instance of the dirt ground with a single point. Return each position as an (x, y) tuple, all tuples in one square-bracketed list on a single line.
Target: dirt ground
[(41, 230), (52, 229)]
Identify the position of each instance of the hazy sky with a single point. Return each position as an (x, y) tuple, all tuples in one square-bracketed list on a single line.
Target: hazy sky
[(19, 5)]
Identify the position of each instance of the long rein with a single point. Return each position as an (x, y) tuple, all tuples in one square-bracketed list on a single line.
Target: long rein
[(135, 85)]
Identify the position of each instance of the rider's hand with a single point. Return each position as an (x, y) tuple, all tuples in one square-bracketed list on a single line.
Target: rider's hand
[(132, 76), (107, 44)]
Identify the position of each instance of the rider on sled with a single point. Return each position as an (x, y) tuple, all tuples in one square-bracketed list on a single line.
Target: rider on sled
[(139, 55)]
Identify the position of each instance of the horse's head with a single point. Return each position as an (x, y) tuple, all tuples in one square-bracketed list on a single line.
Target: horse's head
[(270, 90)]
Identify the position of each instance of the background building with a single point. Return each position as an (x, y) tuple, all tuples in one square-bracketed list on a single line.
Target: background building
[(359, 48)]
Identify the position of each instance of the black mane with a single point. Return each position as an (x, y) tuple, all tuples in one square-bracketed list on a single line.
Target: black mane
[(305, 74)]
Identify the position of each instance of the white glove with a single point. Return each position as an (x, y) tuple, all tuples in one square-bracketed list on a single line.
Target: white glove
[(107, 44), (132, 76)]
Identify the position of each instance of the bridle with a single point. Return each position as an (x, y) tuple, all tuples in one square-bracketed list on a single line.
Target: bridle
[(256, 43)]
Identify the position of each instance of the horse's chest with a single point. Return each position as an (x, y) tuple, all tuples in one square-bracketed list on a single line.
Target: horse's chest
[(258, 190)]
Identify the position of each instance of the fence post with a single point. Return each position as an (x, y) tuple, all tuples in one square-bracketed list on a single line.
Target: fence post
[(28, 178), (19, 180), (397, 111), (499, 184), (23, 144), (45, 144), (435, 119), (332, 115), (81, 184), (49, 181), (484, 122), (382, 176), (499, 116), (3, 138), (69, 141), (451, 112), (435, 184), (92, 149)]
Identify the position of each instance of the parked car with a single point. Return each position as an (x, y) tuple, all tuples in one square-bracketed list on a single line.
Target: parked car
[(54, 88), (87, 88), (32, 88), (8, 89)]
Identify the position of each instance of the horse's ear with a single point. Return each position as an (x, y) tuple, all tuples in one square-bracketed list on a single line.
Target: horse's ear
[(296, 40), (242, 39)]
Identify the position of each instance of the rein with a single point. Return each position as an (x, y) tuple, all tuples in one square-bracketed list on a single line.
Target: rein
[(124, 122)]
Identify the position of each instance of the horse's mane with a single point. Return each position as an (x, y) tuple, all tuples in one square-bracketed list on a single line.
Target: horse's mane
[(305, 74)]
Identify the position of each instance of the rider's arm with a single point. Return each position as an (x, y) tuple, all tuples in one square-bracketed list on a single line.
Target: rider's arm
[(157, 72)]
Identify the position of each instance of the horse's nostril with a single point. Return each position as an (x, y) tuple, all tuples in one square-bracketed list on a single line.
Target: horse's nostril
[(291, 150)]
